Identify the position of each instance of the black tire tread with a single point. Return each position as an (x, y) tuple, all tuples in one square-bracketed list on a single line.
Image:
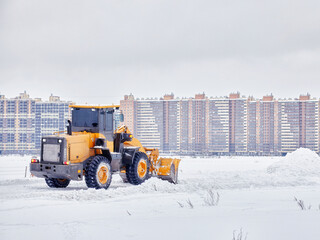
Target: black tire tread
[(90, 172), (131, 169), (55, 183)]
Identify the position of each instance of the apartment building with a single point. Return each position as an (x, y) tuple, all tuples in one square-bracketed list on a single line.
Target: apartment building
[(309, 123), (237, 123), (185, 126), (23, 120), (288, 125), (267, 126), (128, 108), (225, 125), (148, 122), (218, 125), (198, 124), (171, 123), (252, 119)]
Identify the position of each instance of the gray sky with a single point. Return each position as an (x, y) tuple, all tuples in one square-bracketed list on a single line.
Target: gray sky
[(97, 51)]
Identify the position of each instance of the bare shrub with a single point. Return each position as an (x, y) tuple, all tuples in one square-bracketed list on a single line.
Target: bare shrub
[(212, 198), (301, 204), (180, 204), (189, 203), (239, 236)]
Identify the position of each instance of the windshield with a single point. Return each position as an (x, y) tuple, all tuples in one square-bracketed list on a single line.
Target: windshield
[(84, 117)]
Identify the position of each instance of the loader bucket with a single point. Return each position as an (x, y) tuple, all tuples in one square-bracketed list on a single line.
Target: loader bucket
[(168, 169)]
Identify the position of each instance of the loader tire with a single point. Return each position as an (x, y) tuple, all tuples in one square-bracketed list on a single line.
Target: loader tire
[(98, 173), (138, 171), (57, 182)]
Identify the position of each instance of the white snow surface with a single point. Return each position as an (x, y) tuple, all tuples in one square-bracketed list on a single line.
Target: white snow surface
[(256, 195), (298, 164)]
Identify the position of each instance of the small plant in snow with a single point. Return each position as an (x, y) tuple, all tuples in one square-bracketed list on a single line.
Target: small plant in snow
[(190, 203), (128, 213), (212, 198), (302, 205), (155, 187), (239, 236), (180, 204)]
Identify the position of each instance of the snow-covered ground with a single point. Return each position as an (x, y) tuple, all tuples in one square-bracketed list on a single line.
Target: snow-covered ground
[(256, 195)]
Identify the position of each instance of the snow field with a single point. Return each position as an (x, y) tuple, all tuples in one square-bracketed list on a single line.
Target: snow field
[(256, 194)]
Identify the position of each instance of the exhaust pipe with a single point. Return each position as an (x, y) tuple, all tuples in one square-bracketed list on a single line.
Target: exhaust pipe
[(69, 128)]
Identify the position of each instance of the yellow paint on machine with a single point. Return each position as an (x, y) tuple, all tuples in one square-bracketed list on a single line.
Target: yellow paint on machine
[(165, 166), (80, 145)]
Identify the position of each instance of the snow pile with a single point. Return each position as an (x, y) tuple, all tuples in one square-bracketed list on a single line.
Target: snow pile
[(299, 164)]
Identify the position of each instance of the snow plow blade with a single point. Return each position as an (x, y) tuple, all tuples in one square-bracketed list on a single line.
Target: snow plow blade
[(163, 168), (169, 169)]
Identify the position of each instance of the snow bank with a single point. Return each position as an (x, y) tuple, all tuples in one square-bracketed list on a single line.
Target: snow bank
[(300, 163)]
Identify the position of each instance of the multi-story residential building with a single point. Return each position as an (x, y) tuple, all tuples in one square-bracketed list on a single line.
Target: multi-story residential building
[(298, 121), (149, 122), (17, 124), (266, 125), (288, 125), (252, 119), (23, 120), (309, 123), (218, 125), (186, 139), (171, 123), (237, 123), (229, 125), (199, 115), (128, 108)]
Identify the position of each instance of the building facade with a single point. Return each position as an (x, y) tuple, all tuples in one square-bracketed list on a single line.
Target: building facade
[(225, 125), (218, 126), (24, 120)]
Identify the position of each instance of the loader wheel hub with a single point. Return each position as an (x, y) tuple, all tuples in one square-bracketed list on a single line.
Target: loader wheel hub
[(103, 174), (142, 168)]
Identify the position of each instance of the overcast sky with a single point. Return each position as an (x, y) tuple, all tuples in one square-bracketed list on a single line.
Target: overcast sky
[(97, 51)]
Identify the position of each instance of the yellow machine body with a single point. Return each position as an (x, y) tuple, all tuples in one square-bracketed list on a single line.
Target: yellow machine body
[(93, 150), (81, 146)]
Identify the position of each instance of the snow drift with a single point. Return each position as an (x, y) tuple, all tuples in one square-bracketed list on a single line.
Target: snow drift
[(300, 163)]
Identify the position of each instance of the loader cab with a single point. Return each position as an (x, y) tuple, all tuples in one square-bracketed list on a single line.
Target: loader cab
[(94, 119)]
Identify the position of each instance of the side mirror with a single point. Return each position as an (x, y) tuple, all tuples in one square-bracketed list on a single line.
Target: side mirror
[(121, 117)]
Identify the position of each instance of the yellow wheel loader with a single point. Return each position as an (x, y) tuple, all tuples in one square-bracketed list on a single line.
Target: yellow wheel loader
[(92, 149)]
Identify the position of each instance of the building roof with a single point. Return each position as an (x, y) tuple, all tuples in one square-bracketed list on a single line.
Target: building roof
[(92, 106)]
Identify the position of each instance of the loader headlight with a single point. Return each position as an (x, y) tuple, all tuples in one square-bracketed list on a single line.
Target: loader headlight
[(44, 140), (126, 137)]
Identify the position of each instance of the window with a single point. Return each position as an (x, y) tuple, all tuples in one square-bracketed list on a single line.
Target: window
[(85, 117), (23, 123), (109, 121), (10, 122)]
